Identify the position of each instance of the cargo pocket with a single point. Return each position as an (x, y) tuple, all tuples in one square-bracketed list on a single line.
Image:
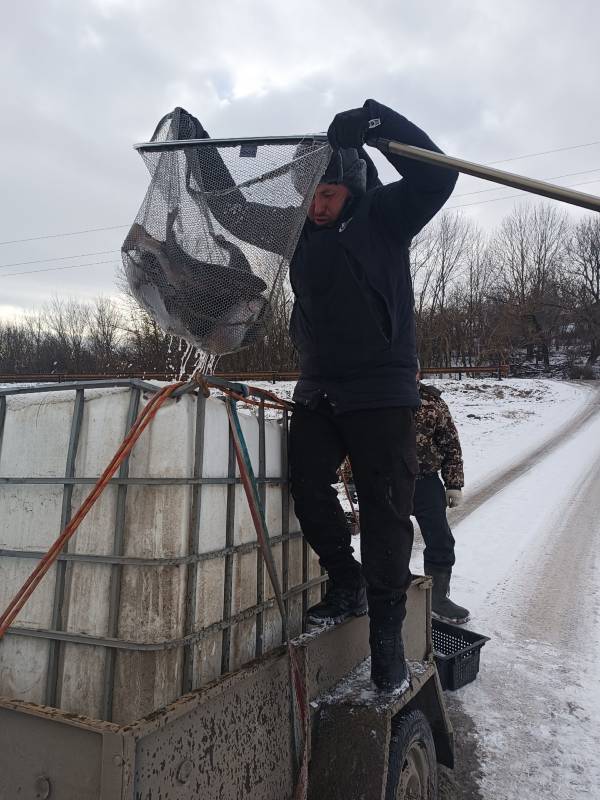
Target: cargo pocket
[(411, 463)]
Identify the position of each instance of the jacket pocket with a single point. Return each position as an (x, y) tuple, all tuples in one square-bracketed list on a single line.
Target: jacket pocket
[(380, 311), (373, 301)]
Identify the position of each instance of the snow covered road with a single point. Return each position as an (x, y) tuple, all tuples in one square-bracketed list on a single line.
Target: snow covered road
[(528, 560), (503, 477), (527, 566)]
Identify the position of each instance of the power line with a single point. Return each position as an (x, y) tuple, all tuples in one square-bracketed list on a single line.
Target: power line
[(553, 178), (110, 261), (59, 235), (58, 258), (54, 269), (118, 227), (543, 153), (509, 196)]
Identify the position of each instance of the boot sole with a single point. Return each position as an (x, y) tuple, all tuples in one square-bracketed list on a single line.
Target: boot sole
[(451, 620), (323, 622), (403, 687)]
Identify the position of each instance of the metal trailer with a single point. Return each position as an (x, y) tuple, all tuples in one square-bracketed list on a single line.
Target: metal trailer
[(233, 739)]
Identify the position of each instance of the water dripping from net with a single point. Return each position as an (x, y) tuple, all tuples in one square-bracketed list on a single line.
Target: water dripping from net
[(206, 363), (196, 361), (184, 360)]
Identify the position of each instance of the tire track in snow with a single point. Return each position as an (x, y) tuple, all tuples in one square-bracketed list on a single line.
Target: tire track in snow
[(533, 712), (548, 615), (563, 598), (500, 480)]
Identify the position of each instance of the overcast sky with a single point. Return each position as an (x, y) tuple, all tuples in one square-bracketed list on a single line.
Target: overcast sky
[(82, 80)]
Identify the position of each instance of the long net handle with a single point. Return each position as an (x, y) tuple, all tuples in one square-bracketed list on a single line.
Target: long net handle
[(515, 181), (143, 420)]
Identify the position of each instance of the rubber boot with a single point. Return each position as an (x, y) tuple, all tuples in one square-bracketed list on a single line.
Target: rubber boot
[(389, 671), (442, 608), (342, 600)]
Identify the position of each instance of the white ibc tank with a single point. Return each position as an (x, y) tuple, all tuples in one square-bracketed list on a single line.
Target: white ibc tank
[(162, 588)]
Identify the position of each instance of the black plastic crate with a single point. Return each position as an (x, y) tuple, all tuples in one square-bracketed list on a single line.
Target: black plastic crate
[(456, 652)]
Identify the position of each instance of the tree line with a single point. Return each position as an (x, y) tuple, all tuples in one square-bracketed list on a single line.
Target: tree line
[(528, 290)]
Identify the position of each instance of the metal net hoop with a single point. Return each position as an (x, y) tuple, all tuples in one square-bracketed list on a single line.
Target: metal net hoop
[(213, 239)]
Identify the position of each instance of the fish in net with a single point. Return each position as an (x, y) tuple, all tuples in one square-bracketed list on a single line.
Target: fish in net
[(214, 237)]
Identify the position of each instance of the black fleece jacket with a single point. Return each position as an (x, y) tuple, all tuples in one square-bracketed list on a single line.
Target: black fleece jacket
[(353, 318)]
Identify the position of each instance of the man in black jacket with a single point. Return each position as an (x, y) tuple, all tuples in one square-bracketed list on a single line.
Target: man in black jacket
[(353, 325)]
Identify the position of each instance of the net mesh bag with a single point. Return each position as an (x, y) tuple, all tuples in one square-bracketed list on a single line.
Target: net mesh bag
[(217, 230)]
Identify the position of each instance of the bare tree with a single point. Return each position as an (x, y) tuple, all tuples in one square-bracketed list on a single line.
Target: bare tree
[(423, 264), (534, 284), (440, 255), (529, 249), (474, 332), (105, 332), (583, 289), (68, 322), (454, 234)]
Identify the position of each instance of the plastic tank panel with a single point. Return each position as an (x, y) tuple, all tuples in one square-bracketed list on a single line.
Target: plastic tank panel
[(142, 520)]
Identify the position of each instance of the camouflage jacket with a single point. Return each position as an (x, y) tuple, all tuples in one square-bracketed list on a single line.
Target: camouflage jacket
[(438, 445)]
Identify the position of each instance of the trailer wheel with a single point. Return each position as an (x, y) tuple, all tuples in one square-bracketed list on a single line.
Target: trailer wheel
[(412, 770)]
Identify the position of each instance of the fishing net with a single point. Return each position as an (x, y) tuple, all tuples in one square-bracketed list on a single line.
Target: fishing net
[(213, 239)]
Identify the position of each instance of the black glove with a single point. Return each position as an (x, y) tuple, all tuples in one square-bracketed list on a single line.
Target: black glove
[(349, 129)]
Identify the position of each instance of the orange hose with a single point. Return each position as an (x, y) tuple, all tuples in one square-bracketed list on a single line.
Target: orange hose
[(143, 420), (281, 406)]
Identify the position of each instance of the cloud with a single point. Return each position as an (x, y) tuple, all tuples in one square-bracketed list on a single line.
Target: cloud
[(84, 80), (89, 38)]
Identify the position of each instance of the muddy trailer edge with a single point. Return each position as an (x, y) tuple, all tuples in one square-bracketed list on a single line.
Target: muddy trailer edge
[(232, 738)]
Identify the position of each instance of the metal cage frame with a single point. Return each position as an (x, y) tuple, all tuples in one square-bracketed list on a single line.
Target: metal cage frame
[(117, 560)]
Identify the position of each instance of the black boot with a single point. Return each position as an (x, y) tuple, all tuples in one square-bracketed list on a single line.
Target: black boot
[(341, 601), (389, 671), (442, 607)]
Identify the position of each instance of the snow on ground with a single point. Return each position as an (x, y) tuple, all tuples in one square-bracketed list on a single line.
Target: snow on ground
[(528, 561), (500, 420), (527, 567)]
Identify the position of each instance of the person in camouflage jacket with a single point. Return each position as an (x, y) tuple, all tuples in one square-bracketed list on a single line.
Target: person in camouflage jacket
[(438, 445), (438, 451)]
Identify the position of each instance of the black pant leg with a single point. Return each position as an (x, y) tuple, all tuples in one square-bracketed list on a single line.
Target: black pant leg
[(430, 511), (382, 448), (316, 451)]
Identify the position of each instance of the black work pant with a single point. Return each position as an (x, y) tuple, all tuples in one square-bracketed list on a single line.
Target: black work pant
[(430, 512), (382, 449)]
